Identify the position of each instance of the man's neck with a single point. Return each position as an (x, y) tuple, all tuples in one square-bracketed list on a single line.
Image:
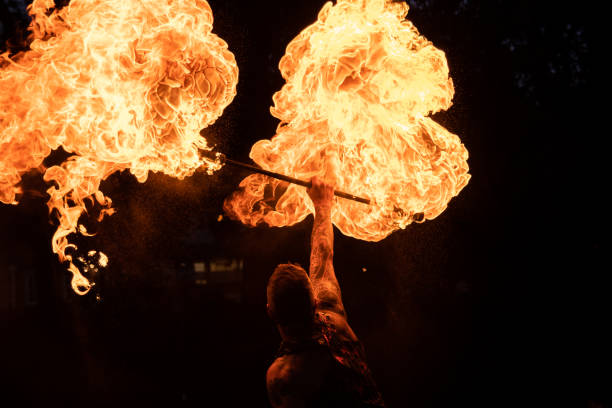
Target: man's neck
[(295, 332)]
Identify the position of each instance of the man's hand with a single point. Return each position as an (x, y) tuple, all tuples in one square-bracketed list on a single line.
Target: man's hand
[(321, 194)]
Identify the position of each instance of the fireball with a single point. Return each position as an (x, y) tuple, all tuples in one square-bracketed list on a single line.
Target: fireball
[(361, 83), (119, 85)]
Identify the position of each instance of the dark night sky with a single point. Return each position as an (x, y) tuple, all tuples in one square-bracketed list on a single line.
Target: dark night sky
[(500, 301)]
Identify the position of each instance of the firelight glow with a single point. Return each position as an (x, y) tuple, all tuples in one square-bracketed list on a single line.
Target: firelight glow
[(361, 83), (119, 85)]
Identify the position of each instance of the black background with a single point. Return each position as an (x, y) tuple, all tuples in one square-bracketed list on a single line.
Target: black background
[(501, 301)]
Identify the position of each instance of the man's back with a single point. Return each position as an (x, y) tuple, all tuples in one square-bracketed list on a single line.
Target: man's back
[(325, 370)]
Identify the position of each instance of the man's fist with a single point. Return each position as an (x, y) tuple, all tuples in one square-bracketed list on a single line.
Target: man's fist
[(321, 193)]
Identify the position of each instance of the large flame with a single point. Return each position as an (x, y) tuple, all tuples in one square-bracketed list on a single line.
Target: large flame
[(119, 84), (360, 84)]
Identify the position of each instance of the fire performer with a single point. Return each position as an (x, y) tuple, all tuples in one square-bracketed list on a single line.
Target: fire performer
[(321, 362)]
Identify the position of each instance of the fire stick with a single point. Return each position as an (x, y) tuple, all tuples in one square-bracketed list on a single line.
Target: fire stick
[(418, 217), (283, 177)]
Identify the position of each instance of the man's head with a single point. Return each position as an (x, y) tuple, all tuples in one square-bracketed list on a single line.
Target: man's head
[(290, 296)]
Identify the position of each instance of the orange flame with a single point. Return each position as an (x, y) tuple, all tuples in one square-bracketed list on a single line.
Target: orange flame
[(360, 84), (119, 84)]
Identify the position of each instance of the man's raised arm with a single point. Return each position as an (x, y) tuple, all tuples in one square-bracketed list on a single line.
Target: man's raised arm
[(322, 276)]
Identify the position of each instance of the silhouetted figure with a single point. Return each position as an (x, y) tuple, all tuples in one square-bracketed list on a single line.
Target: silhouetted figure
[(320, 363)]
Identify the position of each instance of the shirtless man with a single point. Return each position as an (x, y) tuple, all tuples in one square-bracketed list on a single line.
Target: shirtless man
[(320, 363)]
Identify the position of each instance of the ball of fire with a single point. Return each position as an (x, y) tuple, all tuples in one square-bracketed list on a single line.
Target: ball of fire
[(361, 83), (118, 84)]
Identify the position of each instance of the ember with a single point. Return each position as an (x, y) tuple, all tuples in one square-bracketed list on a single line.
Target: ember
[(119, 84), (360, 84)]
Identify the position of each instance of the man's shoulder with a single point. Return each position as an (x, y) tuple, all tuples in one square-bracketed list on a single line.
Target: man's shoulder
[(278, 369), (297, 376), (285, 387), (283, 373), (338, 322), (292, 367)]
